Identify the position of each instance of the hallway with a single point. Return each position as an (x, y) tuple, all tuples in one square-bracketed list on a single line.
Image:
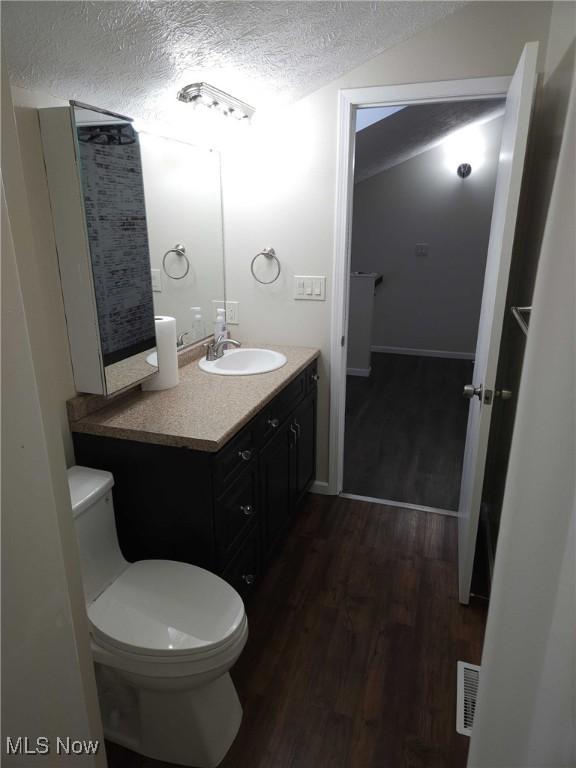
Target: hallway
[(406, 430)]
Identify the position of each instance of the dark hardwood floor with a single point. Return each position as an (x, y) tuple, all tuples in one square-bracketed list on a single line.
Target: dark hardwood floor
[(405, 430), (355, 631)]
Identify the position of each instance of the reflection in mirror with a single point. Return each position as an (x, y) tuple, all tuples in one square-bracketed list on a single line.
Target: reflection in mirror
[(108, 149), (184, 213)]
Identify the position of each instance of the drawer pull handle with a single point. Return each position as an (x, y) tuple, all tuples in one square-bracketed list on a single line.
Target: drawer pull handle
[(274, 423), (248, 578), (314, 377), (245, 455), (298, 429), (247, 510)]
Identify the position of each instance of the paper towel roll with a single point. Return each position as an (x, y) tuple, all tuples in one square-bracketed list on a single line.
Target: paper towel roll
[(167, 375)]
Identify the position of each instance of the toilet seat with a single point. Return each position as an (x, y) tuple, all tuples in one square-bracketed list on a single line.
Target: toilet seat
[(167, 611)]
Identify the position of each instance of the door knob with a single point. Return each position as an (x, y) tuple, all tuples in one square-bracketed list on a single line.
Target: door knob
[(471, 391), (503, 394)]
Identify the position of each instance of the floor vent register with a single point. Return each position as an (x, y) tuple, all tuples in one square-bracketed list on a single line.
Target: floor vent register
[(467, 692)]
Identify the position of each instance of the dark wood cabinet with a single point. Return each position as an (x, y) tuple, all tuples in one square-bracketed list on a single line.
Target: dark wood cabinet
[(224, 511)]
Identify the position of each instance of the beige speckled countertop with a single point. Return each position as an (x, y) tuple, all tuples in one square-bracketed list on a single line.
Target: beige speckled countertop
[(203, 412)]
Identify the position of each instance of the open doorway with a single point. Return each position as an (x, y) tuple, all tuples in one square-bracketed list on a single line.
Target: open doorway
[(482, 391), (424, 181)]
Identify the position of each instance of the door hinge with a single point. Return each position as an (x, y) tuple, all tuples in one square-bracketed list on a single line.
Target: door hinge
[(342, 341)]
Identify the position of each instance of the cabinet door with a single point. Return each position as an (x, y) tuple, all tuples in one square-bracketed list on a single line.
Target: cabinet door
[(276, 484), (304, 421)]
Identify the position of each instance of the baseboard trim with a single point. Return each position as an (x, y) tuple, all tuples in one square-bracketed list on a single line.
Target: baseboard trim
[(400, 504), (321, 487), (424, 352), (358, 372)]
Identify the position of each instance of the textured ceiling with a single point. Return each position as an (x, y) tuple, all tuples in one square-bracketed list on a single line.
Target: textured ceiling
[(134, 56), (416, 129)]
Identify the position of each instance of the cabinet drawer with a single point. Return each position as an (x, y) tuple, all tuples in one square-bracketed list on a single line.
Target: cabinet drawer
[(235, 512), (244, 570), (280, 408), (234, 457)]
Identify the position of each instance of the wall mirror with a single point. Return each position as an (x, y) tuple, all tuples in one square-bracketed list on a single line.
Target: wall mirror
[(183, 196), (138, 224), (180, 226)]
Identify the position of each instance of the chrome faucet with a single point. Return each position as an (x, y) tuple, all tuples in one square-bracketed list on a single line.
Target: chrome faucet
[(215, 350)]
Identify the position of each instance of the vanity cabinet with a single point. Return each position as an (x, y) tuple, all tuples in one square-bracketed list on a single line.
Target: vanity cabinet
[(224, 511)]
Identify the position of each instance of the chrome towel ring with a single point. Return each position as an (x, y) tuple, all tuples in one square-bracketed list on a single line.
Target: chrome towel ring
[(180, 250), (270, 254)]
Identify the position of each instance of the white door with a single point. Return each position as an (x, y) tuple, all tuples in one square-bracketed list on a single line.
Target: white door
[(511, 163)]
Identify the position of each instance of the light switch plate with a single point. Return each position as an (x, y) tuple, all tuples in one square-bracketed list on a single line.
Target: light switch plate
[(156, 281), (310, 287)]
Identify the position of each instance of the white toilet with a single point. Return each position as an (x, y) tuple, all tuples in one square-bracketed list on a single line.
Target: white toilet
[(164, 636)]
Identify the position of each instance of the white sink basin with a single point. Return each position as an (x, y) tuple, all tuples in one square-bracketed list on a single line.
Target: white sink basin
[(244, 362)]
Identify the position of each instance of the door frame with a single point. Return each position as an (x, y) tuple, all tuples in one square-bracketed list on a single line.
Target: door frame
[(349, 100)]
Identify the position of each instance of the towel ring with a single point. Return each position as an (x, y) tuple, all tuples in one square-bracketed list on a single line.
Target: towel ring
[(180, 250), (269, 253)]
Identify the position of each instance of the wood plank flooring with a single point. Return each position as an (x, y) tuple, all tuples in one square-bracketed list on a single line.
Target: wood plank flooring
[(406, 429), (355, 631)]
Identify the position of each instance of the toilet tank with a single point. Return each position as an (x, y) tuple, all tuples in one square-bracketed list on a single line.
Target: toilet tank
[(101, 559)]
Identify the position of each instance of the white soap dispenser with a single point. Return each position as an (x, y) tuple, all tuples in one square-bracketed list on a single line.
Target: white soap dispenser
[(220, 324)]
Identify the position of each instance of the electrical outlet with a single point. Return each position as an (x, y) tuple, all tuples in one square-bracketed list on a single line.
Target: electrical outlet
[(156, 280), (421, 249), (310, 287), (232, 313)]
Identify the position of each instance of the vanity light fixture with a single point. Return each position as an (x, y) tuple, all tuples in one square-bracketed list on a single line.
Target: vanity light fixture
[(213, 98)]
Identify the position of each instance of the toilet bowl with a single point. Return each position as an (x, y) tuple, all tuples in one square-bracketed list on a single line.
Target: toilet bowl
[(164, 637)]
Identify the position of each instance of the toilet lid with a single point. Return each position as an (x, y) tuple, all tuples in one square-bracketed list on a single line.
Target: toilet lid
[(164, 607)]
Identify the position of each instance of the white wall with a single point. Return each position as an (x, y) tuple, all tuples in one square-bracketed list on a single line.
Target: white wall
[(184, 205), (279, 184), (431, 302), (48, 684)]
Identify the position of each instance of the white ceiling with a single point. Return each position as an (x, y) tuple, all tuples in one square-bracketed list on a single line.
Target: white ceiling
[(134, 56), (416, 129)]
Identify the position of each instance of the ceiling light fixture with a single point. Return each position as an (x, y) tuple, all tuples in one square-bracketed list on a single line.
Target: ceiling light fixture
[(213, 98)]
